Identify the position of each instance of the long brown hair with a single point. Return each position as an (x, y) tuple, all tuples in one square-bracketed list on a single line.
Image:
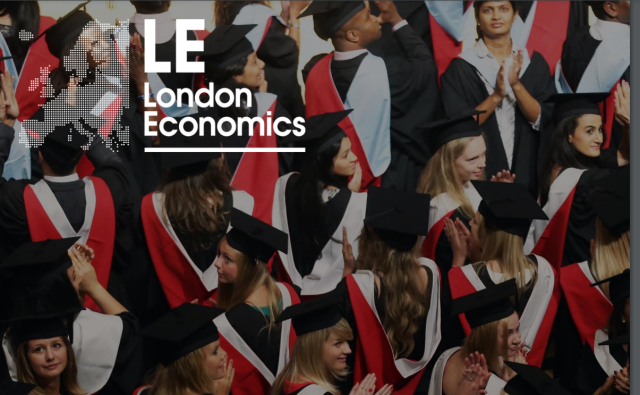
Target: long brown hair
[(406, 304), (251, 276), (484, 339), (508, 250), (611, 255), (307, 363), (187, 373), (193, 203), (222, 10), (68, 378), (440, 175)]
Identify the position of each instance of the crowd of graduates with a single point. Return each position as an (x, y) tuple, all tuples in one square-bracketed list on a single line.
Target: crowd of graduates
[(458, 224)]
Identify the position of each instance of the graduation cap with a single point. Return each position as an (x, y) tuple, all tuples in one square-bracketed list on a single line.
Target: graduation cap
[(531, 380), (322, 131), (255, 238), (572, 104), (65, 29), (487, 306), (453, 128), (10, 387), (64, 143), (398, 217), (330, 16), (183, 330), (619, 286), (510, 207), (49, 328), (313, 315), (34, 284), (226, 44), (617, 341), (612, 202)]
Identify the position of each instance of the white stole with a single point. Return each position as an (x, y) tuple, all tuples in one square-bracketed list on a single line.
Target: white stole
[(607, 362), (256, 14)]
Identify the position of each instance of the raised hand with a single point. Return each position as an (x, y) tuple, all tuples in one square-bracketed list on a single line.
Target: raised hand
[(501, 87), (458, 242), (504, 176), (623, 103), (356, 181), (72, 91), (223, 386), (347, 254), (514, 70), (622, 380), (84, 273), (136, 62), (9, 101), (388, 13)]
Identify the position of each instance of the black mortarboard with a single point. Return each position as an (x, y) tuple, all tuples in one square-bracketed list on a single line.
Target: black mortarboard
[(255, 238), (398, 217), (453, 128), (321, 132), (612, 202), (65, 29), (330, 16), (619, 286), (571, 104), (183, 330), (487, 306), (10, 387), (23, 331), (617, 341), (313, 315), (64, 144), (507, 206), (531, 380), (227, 44)]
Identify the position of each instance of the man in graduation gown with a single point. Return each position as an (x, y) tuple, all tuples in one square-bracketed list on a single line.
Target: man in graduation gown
[(596, 58), (390, 96)]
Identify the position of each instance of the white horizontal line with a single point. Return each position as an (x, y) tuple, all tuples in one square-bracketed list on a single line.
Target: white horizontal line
[(204, 149)]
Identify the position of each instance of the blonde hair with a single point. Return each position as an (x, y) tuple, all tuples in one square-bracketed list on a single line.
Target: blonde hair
[(484, 339), (251, 276), (178, 377), (611, 255), (440, 175), (406, 304), (307, 361), (508, 250), (68, 378)]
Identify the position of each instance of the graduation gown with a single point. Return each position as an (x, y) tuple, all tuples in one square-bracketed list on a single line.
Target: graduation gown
[(593, 65), (259, 354), (181, 279), (104, 346), (536, 306), (598, 363), (373, 352), (494, 385), (310, 271), (463, 89), (589, 307), (28, 87), (392, 98), (279, 52)]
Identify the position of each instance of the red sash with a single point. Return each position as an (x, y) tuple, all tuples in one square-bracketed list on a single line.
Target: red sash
[(322, 97), (430, 242), (258, 172), (101, 235), (551, 243), (445, 47), (460, 286), (588, 306), (179, 281), (549, 30), (375, 357), (141, 389)]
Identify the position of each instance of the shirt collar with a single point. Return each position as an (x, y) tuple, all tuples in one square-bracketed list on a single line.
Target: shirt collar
[(482, 51), (69, 178), (349, 54), (608, 30), (163, 17)]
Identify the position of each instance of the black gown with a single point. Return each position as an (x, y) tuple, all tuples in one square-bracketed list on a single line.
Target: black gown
[(463, 89), (415, 101), (591, 376), (577, 52), (417, 16)]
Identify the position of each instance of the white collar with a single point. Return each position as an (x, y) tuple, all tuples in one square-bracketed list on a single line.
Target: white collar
[(349, 54), (482, 51), (163, 17), (69, 178), (607, 30)]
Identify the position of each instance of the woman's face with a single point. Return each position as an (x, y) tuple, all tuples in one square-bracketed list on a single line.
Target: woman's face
[(496, 18), (93, 43), (226, 263), (513, 335), (216, 360), (588, 136), (344, 164), (253, 75), (335, 353), (470, 165), (47, 357)]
